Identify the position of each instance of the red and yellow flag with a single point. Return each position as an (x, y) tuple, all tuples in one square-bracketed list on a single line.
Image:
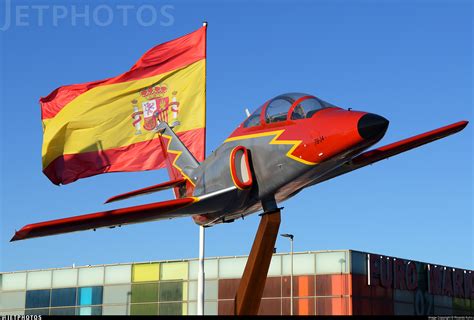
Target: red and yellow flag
[(109, 125)]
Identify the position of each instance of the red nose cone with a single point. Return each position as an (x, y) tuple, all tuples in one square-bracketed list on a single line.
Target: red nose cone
[(372, 126)]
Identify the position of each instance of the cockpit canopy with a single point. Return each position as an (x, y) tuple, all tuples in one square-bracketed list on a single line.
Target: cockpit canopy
[(288, 106)]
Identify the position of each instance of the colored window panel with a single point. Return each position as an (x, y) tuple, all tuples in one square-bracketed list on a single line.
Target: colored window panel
[(13, 281), (41, 312), (144, 309), (226, 307), (171, 309), (210, 269), (303, 286), (228, 288), (91, 276), (37, 298), (64, 278), (333, 306), (146, 272), (62, 311), (231, 267), (118, 274), (89, 296), (144, 292), (117, 294), (333, 284), (171, 291), (331, 262), (12, 300), (63, 297), (115, 310), (38, 280), (270, 307), (358, 262), (90, 311), (272, 287), (174, 271), (302, 264)]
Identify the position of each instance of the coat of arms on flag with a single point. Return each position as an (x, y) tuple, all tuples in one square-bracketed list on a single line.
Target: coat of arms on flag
[(155, 107)]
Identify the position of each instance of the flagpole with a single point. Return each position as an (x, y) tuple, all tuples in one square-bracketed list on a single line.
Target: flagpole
[(201, 274)]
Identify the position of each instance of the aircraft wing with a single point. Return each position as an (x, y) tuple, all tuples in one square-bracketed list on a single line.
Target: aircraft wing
[(372, 156), (182, 207)]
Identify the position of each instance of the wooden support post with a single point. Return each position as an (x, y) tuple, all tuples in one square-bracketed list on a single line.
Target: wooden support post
[(250, 291)]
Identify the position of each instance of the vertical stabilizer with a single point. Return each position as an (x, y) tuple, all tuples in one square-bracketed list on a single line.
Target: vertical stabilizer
[(180, 161)]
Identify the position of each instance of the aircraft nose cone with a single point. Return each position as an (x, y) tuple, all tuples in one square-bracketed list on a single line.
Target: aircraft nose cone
[(371, 126)]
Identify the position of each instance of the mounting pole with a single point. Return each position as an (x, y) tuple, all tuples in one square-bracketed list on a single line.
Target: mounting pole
[(201, 275), (250, 291)]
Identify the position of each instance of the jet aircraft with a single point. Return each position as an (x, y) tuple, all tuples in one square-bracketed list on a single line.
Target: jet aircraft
[(291, 142)]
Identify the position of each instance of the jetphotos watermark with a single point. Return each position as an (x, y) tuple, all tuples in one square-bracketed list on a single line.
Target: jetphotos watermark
[(13, 15)]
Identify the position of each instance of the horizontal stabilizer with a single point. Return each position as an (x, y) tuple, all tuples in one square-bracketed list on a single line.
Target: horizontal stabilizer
[(392, 149), (147, 190)]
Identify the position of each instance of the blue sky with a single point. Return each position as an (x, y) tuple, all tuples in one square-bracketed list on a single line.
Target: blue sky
[(410, 61)]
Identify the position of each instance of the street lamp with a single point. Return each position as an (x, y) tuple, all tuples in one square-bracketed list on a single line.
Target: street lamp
[(290, 236)]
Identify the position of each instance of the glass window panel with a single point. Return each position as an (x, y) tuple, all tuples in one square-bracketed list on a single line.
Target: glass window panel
[(39, 280), (306, 109), (146, 272), (275, 266), (64, 278), (192, 294), (171, 291), (63, 311), (91, 276), (41, 312), (89, 296), (12, 300), (117, 294), (63, 297), (144, 309), (115, 310), (331, 262), (303, 264), (13, 281), (210, 308), (118, 274), (231, 267), (172, 309), (210, 269), (144, 292), (37, 298), (277, 110), (90, 311), (192, 308), (254, 119), (174, 271), (210, 289), (358, 262)]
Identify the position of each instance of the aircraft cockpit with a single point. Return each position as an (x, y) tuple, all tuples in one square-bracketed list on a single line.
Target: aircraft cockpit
[(289, 106)]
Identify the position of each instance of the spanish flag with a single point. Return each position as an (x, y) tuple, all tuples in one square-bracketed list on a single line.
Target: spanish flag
[(110, 125)]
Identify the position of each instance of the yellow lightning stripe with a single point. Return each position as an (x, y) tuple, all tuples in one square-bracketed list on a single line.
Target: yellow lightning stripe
[(275, 140), (178, 154)]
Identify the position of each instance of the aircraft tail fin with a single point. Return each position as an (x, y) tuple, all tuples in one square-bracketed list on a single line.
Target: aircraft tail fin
[(180, 161)]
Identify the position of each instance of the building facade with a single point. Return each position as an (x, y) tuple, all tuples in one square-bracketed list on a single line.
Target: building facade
[(343, 282)]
